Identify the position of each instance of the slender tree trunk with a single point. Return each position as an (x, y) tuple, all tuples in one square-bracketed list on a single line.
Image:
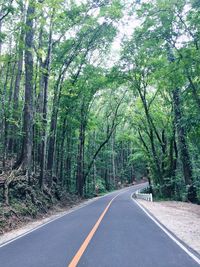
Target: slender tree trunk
[(68, 159), (183, 149), (181, 134), (113, 160), (19, 71), (5, 119), (151, 135), (11, 84), (45, 75), (173, 155), (52, 134), (95, 167), (62, 149), (80, 158), (15, 112)]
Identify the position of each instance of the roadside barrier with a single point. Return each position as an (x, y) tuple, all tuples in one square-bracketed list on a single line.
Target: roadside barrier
[(144, 196)]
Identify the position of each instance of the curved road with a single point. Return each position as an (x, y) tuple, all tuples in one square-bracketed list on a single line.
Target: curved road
[(109, 232)]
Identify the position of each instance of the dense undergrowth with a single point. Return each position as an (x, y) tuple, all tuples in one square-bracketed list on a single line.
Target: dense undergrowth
[(178, 192)]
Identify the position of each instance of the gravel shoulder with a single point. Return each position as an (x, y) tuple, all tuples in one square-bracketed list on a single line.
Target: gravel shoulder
[(183, 219)]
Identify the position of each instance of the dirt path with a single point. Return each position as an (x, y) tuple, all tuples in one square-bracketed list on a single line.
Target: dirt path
[(183, 219)]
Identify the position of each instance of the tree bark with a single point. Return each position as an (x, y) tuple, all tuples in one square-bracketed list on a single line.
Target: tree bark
[(26, 154), (181, 134), (45, 78), (13, 128), (183, 149), (113, 158), (151, 132), (80, 158)]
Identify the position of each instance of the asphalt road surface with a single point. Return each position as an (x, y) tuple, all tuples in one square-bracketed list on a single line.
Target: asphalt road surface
[(109, 232)]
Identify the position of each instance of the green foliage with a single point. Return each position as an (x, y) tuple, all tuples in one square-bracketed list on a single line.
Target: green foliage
[(25, 210), (103, 125)]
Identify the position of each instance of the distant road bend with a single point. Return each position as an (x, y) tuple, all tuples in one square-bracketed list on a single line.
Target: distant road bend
[(112, 231)]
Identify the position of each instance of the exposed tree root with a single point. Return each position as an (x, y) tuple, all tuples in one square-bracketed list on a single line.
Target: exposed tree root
[(15, 175)]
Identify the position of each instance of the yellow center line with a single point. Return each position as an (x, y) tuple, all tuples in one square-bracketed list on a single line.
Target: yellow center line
[(86, 242)]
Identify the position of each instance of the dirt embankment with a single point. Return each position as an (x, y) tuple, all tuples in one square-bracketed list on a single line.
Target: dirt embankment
[(183, 219)]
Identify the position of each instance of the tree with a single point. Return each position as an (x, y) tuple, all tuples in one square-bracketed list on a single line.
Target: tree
[(27, 146)]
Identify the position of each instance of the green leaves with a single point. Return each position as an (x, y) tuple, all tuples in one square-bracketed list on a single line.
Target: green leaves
[(112, 11)]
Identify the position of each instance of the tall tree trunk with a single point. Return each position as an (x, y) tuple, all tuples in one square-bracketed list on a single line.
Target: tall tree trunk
[(181, 134), (113, 159), (26, 154), (13, 129), (68, 159), (45, 75), (95, 167), (173, 154), (11, 83), (53, 126), (80, 157), (183, 149), (152, 131), (57, 95), (5, 119), (62, 149)]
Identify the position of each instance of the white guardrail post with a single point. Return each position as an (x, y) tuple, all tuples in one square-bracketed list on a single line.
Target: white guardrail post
[(144, 196)]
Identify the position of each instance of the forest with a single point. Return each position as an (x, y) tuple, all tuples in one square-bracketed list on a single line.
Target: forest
[(97, 94)]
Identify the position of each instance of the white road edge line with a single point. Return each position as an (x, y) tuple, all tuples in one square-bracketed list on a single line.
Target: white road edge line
[(59, 217), (42, 225), (195, 258), (52, 220)]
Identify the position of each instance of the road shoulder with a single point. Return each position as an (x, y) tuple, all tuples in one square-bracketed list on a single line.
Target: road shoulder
[(37, 223), (181, 219)]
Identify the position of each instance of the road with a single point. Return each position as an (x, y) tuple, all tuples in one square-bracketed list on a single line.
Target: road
[(109, 232)]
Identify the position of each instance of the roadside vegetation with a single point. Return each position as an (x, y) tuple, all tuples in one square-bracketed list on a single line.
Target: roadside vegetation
[(79, 118)]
